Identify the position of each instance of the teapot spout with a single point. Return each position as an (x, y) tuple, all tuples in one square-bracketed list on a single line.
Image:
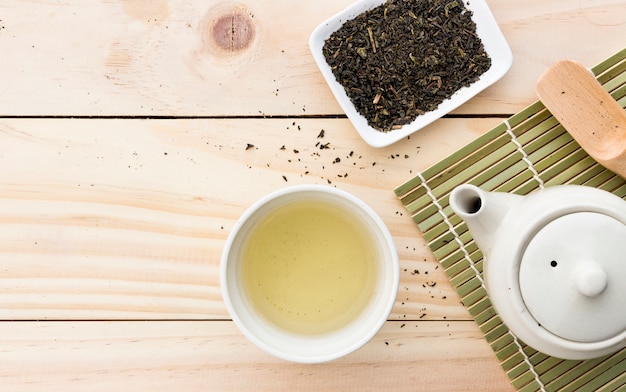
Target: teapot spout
[(483, 212)]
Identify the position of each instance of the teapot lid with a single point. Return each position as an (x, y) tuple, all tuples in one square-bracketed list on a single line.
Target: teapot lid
[(572, 277)]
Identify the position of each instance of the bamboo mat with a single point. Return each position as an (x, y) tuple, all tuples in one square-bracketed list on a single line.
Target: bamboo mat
[(526, 152)]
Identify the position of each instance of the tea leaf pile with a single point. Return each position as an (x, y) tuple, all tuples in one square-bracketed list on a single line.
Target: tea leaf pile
[(403, 58)]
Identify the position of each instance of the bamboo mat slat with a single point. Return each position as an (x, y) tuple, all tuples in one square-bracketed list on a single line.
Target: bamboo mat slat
[(524, 152)]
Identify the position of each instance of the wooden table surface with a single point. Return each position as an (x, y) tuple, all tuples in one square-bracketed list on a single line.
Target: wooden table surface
[(133, 133)]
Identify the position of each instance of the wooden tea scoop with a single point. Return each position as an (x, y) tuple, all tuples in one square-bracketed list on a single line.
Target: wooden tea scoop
[(589, 113)]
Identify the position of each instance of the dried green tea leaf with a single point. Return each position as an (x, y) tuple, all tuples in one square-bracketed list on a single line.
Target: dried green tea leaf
[(403, 58)]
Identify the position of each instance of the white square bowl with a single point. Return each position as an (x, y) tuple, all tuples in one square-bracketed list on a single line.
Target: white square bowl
[(487, 29)]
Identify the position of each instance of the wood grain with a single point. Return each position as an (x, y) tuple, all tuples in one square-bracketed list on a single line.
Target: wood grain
[(213, 355), (126, 219), (161, 58)]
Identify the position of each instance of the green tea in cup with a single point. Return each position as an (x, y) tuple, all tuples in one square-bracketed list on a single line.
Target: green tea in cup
[(309, 267), (309, 273)]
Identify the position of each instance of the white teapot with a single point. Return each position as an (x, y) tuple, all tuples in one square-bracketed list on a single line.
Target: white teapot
[(555, 265)]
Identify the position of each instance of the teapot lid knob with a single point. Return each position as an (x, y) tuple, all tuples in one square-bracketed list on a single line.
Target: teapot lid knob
[(590, 280)]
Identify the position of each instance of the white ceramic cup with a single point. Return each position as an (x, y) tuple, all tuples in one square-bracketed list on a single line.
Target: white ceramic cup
[(310, 348)]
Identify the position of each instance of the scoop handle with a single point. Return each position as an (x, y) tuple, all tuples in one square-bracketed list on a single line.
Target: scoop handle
[(588, 112)]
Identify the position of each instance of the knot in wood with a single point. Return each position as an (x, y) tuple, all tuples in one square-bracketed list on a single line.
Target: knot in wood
[(233, 31)]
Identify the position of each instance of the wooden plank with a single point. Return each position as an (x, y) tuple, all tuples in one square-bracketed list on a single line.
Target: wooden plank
[(126, 219), (213, 355), (163, 58)]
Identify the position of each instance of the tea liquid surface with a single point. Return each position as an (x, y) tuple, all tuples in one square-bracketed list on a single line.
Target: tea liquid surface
[(309, 267)]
